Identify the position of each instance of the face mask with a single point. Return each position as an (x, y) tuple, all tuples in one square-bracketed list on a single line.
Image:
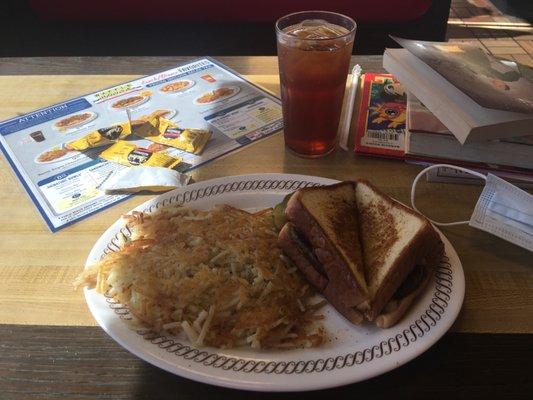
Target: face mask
[(502, 209)]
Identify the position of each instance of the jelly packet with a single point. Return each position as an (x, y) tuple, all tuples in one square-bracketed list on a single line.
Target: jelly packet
[(153, 179), (100, 137), (163, 131), (130, 155)]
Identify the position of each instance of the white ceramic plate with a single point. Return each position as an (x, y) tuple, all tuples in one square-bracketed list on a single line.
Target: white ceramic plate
[(190, 84), (353, 354), (235, 90)]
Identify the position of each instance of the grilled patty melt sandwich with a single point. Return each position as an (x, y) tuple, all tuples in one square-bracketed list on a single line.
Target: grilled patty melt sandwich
[(369, 255)]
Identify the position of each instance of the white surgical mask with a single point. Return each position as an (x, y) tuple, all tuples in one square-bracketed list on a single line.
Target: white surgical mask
[(502, 209)]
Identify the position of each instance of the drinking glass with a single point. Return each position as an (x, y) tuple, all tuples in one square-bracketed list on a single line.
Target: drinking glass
[(314, 50)]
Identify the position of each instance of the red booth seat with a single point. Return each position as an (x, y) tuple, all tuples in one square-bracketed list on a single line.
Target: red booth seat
[(222, 11)]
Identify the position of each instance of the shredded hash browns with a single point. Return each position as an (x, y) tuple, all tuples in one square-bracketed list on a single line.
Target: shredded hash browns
[(217, 276)]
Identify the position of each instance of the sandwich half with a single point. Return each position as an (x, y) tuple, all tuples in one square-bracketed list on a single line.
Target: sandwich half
[(369, 255), (322, 239), (400, 247)]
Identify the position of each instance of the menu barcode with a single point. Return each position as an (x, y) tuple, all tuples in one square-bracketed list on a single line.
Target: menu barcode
[(383, 135)]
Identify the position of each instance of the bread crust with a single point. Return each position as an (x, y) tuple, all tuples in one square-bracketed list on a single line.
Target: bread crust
[(319, 281), (344, 287), (336, 280), (298, 257)]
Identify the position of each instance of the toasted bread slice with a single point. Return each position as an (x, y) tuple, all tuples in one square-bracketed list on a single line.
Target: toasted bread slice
[(395, 309), (326, 217), (360, 249), (303, 256), (394, 239)]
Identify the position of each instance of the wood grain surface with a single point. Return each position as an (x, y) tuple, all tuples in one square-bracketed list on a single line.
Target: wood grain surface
[(266, 65), (37, 267), (39, 362)]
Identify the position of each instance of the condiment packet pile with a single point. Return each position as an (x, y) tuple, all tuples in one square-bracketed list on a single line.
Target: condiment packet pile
[(153, 169), (100, 137), (130, 155), (164, 131)]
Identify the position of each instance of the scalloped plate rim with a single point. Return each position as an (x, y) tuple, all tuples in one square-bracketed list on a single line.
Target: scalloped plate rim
[(294, 381)]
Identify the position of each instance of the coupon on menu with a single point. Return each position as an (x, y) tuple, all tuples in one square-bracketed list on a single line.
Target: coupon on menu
[(61, 153)]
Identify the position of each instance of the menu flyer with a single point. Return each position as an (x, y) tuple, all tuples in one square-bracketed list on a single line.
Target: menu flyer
[(65, 183)]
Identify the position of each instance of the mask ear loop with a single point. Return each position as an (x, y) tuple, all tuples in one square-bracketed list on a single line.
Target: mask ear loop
[(423, 172)]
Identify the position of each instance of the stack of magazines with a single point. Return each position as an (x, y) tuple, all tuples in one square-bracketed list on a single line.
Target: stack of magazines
[(449, 103)]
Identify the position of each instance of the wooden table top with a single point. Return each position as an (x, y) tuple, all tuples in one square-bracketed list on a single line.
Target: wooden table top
[(37, 267)]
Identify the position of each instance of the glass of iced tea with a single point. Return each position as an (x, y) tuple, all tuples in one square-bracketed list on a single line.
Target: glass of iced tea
[(314, 49)]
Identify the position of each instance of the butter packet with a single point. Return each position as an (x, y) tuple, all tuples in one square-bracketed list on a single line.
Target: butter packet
[(164, 131), (130, 155), (100, 137), (152, 179)]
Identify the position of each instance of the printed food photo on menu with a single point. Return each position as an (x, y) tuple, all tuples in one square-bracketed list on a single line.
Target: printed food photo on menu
[(131, 101), (176, 87), (75, 120), (217, 95)]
